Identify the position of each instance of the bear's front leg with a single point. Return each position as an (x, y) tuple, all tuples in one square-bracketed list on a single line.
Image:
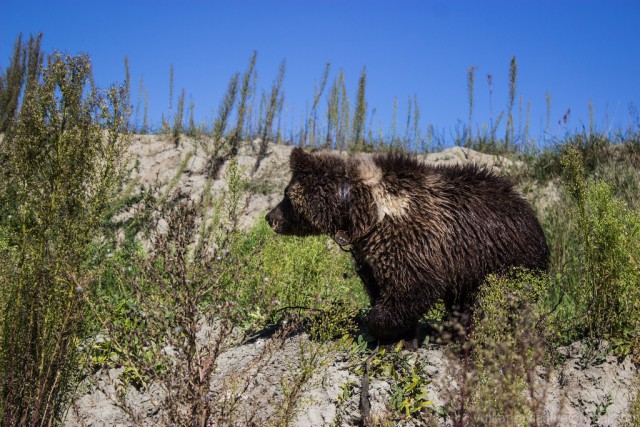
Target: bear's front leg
[(365, 272), (388, 324)]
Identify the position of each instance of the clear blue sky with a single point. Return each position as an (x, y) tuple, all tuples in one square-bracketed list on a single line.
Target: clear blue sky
[(579, 51)]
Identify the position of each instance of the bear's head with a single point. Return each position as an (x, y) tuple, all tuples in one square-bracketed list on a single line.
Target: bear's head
[(318, 198)]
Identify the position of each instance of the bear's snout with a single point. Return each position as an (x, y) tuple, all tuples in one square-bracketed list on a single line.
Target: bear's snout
[(276, 219), (271, 218)]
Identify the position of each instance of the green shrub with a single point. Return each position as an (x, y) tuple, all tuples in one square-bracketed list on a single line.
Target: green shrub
[(498, 379), (610, 159), (606, 290), (63, 165)]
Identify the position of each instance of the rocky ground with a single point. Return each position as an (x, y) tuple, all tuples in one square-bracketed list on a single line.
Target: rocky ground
[(576, 393), (258, 375)]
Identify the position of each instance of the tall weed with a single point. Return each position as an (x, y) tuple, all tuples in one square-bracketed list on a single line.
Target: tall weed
[(64, 163), (25, 67)]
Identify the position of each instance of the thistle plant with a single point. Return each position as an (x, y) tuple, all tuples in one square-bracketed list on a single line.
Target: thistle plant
[(178, 127), (313, 116), (246, 90), (547, 127), (345, 118), (470, 83), (513, 79), (217, 157), (127, 79), (224, 112), (415, 133), (333, 115), (394, 122), (191, 130), (276, 98), (358, 143)]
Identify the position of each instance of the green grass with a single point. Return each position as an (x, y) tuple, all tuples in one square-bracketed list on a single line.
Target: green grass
[(292, 272)]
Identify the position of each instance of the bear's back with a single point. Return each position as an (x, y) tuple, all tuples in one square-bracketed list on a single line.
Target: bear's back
[(403, 173), (475, 215)]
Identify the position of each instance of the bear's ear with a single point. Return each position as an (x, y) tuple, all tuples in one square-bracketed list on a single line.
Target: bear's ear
[(300, 161)]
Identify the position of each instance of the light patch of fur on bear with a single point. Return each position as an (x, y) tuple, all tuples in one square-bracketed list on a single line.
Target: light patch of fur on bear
[(368, 172), (387, 204)]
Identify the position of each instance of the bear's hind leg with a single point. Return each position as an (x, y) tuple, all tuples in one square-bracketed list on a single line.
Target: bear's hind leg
[(459, 313)]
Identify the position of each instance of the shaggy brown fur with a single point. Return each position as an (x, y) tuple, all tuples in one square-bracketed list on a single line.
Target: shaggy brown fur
[(418, 232)]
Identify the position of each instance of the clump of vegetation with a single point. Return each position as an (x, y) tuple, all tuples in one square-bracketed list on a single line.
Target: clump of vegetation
[(292, 273), (403, 371), (176, 317), (606, 269), (499, 364), (166, 318), (614, 160), (62, 165), (408, 381)]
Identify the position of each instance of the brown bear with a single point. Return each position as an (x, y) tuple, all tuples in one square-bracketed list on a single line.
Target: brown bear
[(419, 233)]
